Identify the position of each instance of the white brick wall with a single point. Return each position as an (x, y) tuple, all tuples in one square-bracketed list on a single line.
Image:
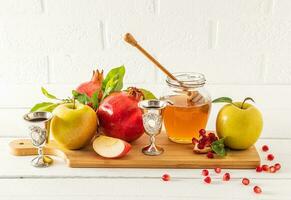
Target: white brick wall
[(43, 39), (59, 42)]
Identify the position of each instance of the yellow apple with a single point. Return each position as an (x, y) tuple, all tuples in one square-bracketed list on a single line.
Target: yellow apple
[(240, 125), (73, 126)]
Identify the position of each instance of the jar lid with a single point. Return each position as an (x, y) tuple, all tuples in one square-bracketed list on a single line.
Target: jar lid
[(189, 79)]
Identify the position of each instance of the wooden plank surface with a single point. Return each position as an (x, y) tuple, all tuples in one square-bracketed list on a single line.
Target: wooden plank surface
[(175, 156), (19, 166), (141, 189), (19, 180)]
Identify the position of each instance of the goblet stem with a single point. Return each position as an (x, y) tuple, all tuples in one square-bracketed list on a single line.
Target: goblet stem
[(152, 140), (40, 151)]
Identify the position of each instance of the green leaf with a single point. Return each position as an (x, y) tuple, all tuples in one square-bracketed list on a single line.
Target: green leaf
[(218, 147), (110, 87), (82, 98), (222, 100), (116, 74), (44, 106), (95, 100), (147, 94), (49, 108), (47, 94), (39, 105)]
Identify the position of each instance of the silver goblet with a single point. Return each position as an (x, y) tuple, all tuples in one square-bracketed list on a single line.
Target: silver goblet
[(39, 130), (152, 122)]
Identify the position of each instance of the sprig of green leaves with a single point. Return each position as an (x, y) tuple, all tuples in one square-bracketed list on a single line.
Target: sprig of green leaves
[(218, 147), (48, 106), (85, 99), (113, 82)]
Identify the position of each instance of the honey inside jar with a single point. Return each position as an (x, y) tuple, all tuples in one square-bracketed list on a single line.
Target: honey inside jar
[(186, 114)]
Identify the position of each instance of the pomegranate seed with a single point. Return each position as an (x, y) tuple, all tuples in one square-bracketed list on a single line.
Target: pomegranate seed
[(277, 166), (212, 137), (259, 169), (194, 141), (205, 172), (203, 140), (166, 177), (207, 180), (202, 132), (265, 148), (265, 168), (226, 177), (270, 157), (257, 189), (200, 146), (245, 181), (217, 170), (210, 155), (272, 169)]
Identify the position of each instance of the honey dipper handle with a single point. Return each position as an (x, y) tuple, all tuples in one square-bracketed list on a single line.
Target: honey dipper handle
[(131, 40)]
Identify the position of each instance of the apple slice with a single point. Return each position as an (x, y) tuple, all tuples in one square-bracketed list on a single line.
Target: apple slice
[(110, 147)]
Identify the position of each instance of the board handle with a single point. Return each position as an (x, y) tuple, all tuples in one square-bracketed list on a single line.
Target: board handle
[(24, 147)]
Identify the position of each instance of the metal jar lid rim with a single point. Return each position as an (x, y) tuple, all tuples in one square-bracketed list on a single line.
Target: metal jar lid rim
[(189, 79)]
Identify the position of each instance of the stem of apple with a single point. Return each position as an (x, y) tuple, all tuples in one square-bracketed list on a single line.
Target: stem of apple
[(74, 103), (247, 98)]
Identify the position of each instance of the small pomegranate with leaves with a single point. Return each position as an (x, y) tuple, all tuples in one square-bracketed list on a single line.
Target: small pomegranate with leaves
[(92, 86)]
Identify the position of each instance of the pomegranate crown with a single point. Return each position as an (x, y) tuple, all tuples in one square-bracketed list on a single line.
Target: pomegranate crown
[(97, 76), (136, 93)]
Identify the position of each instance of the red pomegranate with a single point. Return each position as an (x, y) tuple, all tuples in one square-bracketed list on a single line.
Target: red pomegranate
[(119, 115), (90, 87)]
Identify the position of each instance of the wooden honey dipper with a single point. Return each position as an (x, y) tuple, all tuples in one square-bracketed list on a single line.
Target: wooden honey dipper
[(193, 96)]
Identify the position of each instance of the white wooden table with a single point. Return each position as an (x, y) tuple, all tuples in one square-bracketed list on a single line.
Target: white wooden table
[(19, 180)]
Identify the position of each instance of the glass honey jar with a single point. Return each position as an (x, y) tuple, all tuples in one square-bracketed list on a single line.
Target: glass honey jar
[(189, 106)]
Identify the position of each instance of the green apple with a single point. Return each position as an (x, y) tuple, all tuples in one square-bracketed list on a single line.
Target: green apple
[(73, 125), (240, 123)]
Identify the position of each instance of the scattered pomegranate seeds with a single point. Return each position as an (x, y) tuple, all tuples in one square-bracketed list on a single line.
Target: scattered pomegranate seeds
[(265, 168), (270, 157), (245, 181), (226, 177), (205, 172), (277, 166), (166, 177), (207, 180), (272, 169), (202, 132), (210, 155), (265, 148), (217, 170), (257, 190), (259, 169)]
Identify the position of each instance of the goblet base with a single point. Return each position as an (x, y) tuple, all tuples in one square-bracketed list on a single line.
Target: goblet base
[(41, 161), (152, 150)]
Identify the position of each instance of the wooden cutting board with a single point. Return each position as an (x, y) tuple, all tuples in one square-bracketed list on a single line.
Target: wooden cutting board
[(175, 156)]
